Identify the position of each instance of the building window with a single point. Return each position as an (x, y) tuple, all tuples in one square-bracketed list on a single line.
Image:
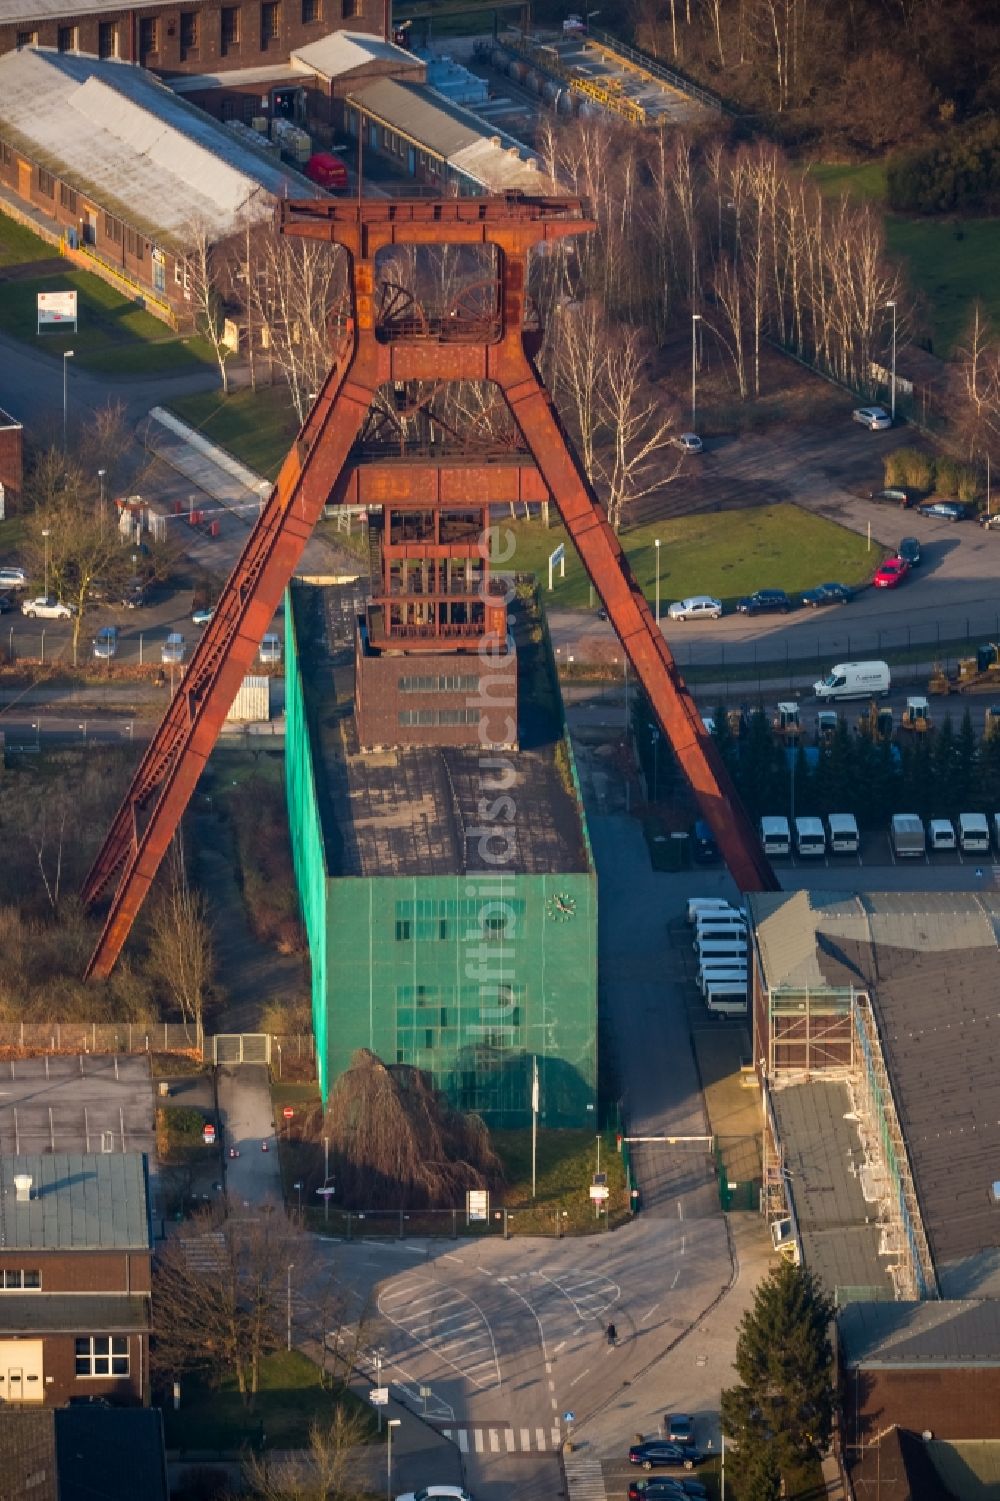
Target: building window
[(230, 29), (149, 35), (18, 1280), (26, 39), (189, 34), (67, 198), (349, 9), (270, 23), (403, 930), (135, 245), (159, 271), (102, 1355), (310, 12), (6, 155), (69, 39), (112, 229), (107, 39), (46, 183)]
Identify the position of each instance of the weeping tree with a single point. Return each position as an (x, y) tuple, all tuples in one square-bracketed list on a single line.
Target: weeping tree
[(397, 1143)]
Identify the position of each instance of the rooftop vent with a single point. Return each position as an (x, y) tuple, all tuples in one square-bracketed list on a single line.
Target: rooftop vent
[(22, 1186), (496, 141), (532, 164)]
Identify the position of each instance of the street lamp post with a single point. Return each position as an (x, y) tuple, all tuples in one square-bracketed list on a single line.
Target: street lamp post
[(695, 320), (377, 1355), (288, 1305), (100, 476), (298, 1186), (657, 546), (892, 382), (391, 1424), (67, 355), (46, 534)]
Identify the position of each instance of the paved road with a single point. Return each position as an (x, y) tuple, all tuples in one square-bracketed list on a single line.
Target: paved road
[(253, 1179)]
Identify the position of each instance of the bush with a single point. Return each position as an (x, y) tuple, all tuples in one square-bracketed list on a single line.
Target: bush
[(909, 466), (959, 173)]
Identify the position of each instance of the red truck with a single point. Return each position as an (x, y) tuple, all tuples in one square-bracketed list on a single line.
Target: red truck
[(326, 171)]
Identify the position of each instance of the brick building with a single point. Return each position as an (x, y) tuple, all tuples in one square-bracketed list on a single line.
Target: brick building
[(75, 1253), (198, 37), (86, 1453), (11, 455), (127, 171)]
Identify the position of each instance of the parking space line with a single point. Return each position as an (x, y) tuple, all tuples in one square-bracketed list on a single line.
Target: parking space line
[(540, 1437), (511, 1441), (525, 1438), (479, 1440)]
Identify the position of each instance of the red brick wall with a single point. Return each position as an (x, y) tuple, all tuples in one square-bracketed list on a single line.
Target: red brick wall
[(84, 1271), (60, 1364), (953, 1403), (205, 55), (11, 470), (379, 700)]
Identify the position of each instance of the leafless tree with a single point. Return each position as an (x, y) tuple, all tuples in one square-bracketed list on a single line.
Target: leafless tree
[(180, 949), (979, 363), (201, 281), (639, 428), (297, 291), (332, 1468)]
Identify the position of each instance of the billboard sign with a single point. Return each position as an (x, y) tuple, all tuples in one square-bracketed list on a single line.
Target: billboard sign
[(56, 309)]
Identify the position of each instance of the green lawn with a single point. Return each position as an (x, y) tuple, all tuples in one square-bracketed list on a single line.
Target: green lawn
[(257, 426), (567, 1161), (952, 262), (19, 245), (114, 334), (289, 1401), (860, 180), (726, 554)]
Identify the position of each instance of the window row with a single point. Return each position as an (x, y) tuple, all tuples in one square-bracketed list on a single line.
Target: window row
[(438, 716), (452, 683), (20, 1279), (102, 1355)]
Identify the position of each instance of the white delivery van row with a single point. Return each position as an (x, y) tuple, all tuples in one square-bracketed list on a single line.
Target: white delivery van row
[(718, 932), (723, 948), (855, 680), (810, 838), (710, 921), (727, 1000), (729, 975), (699, 904), (842, 832)]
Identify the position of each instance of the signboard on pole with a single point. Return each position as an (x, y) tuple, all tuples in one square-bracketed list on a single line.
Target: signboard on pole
[(288, 1112), (379, 1396), (557, 557), (477, 1205), (56, 308), (599, 1192)]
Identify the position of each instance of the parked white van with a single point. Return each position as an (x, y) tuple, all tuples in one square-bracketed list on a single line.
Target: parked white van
[(726, 1000), (842, 832), (810, 838), (973, 833), (718, 931), (723, 948), (699, 904), (719, 920), (941, 834), (775, 836), (855, 680), (729, 976)]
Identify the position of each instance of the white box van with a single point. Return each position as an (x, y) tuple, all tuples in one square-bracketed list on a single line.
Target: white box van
[(855, 680), (810, 838), (734, 947), (941, 834), (269, 654), (719, 920), (726, 1000), (842, 831), (727, 976), (973, 833), (699, 904), (775, 836), (722, 929)]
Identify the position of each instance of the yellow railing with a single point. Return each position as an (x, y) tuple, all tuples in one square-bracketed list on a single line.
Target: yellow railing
[(83, 255)]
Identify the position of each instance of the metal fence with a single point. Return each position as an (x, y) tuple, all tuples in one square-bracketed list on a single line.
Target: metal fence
[(153, 1037)]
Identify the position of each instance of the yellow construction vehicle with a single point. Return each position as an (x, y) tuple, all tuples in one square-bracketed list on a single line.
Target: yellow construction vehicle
[(939, 683), (876, 722), (827, 724), (786, 723), (916, 716), (991, 722)]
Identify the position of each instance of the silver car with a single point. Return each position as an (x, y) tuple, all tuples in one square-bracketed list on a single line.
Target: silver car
[(875, 419), (173, 649), (47, 609), (697, 607)]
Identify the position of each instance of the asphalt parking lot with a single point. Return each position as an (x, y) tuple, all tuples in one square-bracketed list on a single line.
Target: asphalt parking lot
[(876, 850)]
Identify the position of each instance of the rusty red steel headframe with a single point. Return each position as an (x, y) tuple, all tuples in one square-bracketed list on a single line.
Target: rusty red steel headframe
[(324, 464)]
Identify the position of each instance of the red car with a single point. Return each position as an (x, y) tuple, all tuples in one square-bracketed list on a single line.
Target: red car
[(328, 171), (892, 573)]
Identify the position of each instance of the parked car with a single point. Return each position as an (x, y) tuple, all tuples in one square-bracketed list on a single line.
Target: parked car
[(679, 1427), (6, 603), (909, 551), (764, 600), (827, 594), (134, 594), (689, 443), (703, 845), (441, 1492), (47, 609), (875, 419), (202, 616), (891, 573), (269, 653), (991, 523), (106, 643), (945, 510), (13, 578), (895, 495), (173, 649), (660, 1452), (667, 1488), (696, 607)]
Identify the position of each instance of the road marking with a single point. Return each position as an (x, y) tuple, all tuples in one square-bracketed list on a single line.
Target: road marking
[(478, 1436), (548, 1366), (463, 1441), (511, 1441), (540, 1436), (552, 1386), (674, 1283), (584, 1479), (560, 1345), (555, 1404), (525, 1439), (556, 1438), (680, 1210), (580, 1377), (647, 1316), (494, 1441)]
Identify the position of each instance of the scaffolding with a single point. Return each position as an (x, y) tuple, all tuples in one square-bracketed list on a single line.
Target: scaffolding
[(886, 1178), (809, 1032)]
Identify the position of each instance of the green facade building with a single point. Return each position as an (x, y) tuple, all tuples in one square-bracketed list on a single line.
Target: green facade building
[(449, 894)]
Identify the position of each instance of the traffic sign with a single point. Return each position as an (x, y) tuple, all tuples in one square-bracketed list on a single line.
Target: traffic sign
[(326, 1193), (288, 1112), (208, 1133), (379, 1396), (569, 1417), (599, 1191)]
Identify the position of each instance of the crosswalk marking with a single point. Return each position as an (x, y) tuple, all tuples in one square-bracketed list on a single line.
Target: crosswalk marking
[(584, 1479), (498, 1439)]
